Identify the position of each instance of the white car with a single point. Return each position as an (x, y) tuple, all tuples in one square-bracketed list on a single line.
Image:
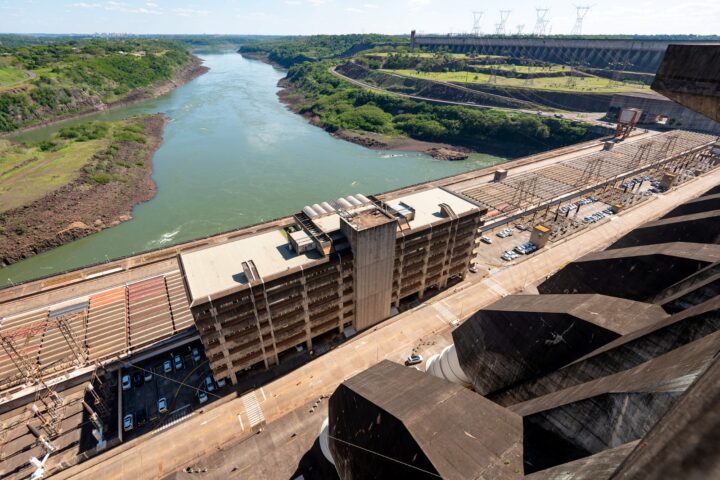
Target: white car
[(413, 359), (221, 383), (202, 397), (473, 268), (167, 366), (162, 405), (126, 382), (486, 239), (209, 383), (128, 422)]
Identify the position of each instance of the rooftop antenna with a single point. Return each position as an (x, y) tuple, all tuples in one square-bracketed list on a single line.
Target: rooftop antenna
[(541, 24), (477, 16), (500, 27), (582, 10)]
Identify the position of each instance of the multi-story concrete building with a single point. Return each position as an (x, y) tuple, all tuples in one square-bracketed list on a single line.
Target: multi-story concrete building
[(338, 268)]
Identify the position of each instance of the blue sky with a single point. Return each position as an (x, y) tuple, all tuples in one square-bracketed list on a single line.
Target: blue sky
[(348, 16)]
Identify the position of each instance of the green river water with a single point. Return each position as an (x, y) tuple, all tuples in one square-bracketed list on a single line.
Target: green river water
[(233, 155)]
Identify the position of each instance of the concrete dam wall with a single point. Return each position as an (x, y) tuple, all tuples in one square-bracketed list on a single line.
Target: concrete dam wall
[(632, 55)]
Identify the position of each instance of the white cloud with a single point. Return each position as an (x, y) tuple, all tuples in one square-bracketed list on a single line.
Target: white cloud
[(293, 2), (86, 5), (370, 5), (189, 12), (151, 5), (113, 6), (354, 10)]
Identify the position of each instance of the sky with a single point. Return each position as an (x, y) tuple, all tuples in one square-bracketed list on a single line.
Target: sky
[(304, 17)]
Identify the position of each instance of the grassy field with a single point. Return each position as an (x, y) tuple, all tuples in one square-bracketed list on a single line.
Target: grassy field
[(530, 69), (28, 173), (10, 76), (559, 84), (432, 55)]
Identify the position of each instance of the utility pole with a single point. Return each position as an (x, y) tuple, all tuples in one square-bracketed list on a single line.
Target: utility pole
[(582, 10), (542, 21), (500, 27), (477, 16)]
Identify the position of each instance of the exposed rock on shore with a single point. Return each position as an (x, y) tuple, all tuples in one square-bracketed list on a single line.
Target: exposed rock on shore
[(83, 207)]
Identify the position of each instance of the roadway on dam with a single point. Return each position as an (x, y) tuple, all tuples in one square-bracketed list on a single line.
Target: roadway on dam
[(233, 155), (275, 454)]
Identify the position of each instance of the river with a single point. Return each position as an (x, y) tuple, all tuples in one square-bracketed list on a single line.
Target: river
[(233, 155)]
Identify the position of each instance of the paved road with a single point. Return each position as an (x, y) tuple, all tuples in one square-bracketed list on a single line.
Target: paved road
[(592, 117), (164, 452)]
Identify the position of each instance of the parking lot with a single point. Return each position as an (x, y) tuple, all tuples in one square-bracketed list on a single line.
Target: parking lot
[(179, 377), (563, 220)]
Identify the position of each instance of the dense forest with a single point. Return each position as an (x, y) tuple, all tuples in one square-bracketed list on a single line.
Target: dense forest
[(74, 76), (289, 52), (338, 105)]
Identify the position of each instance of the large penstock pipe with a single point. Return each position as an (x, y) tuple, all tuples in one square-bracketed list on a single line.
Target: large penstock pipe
[(446, 365)]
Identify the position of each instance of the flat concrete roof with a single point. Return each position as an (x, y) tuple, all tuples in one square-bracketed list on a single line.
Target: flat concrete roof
[(215, 269), (427, 205)]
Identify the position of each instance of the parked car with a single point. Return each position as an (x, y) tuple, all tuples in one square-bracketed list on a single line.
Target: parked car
[(221, 383), (148, 375), (179, 365), (128, 422), (167, 366), (473, 268), (486, 239), (413, 359), (521, 227), (202, 397), (162, 405), (137, 379), (126, 382), (195, 354), (209, 383)]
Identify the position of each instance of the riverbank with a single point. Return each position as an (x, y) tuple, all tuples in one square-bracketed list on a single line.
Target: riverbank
[(117, 177), (183, 75), (292, 98)]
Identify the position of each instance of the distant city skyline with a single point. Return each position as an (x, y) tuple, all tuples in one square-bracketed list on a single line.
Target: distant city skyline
[(304, 17)]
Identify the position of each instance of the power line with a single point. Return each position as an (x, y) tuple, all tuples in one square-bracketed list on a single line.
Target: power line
[(384, 456)]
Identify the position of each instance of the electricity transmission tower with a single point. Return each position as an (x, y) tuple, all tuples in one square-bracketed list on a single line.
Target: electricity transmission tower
[(520, 29), (477, 16), (542, 22), (582, 10), (500, 27)]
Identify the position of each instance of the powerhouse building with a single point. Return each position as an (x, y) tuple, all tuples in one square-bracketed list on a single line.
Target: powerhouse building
[(340, 267)]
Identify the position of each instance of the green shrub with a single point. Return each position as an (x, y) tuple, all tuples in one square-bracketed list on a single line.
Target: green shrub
[(101, 178), (84, 131)]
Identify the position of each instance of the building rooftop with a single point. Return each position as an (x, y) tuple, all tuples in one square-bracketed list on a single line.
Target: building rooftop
[(427, 205), (368, 218), (218, 268), (461, 433)]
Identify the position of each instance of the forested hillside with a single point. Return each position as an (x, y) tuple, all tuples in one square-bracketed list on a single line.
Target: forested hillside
[(288, 52), (42, 82), (338, 105)]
